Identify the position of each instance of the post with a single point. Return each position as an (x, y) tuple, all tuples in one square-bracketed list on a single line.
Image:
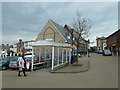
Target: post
[(69, 56), (88, 48), (45, 52), (32, 58), (58, 55), (66, 55), (52, 58), (39, 55), (62, 55)]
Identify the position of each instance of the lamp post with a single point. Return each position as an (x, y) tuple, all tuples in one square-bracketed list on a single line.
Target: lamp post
[(20, 41), (72, 44), (88, 48)]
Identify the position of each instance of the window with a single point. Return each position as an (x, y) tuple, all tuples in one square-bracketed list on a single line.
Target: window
[(99, 41), (104, 41), (44, 36), (114, 38), (68, 37), (52, 35)]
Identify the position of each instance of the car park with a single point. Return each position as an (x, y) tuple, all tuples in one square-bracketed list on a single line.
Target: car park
[(107, 53), (4, 63), (13, 62)]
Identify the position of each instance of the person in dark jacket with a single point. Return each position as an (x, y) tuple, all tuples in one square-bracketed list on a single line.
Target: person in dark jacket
[(22, 65)]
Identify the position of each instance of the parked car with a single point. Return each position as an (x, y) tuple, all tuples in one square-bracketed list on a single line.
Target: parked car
[(13, 62), (107, 53), (4, 63), (28, 58), (100, 52)]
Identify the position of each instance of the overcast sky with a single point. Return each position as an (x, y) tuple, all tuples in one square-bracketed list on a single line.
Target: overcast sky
[(26, 20)]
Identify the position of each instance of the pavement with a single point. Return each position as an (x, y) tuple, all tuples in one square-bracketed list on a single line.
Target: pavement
[(102, 73), (82, 66)]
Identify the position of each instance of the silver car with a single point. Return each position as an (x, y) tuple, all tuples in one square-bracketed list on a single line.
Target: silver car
[(107, 53), (13, 62)]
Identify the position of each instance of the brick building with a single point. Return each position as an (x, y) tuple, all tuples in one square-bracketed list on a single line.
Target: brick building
[(113, 42), (83, 44), (101, 43)]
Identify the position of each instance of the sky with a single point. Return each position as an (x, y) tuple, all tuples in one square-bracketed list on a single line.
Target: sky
[(24, 20)]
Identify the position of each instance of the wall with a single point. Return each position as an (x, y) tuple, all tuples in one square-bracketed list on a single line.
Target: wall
[(48, 30)]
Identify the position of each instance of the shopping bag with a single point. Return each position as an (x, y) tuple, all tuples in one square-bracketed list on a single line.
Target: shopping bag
[(20, 69), (27, 65)]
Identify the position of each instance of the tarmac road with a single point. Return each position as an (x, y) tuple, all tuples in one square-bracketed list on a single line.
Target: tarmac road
[(103, 73)]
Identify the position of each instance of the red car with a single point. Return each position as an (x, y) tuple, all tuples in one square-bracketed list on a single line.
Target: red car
[(36, 63)]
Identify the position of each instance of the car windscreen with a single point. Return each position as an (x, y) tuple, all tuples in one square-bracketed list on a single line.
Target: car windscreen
[(6, 59), (14, 58), (28, 58)]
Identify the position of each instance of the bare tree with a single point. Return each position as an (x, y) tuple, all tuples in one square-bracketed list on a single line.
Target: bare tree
[(81, 28)]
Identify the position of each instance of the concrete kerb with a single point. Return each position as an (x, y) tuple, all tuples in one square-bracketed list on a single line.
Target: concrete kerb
[(85, 67), (59, 67)]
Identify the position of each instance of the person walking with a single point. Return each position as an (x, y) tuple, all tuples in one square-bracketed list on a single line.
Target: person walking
[(22, 65)]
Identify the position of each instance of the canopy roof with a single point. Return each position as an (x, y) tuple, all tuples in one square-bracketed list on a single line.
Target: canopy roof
[(46, 43)]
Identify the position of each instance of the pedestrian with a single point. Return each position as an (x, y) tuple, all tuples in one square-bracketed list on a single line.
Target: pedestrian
[(22, 65)]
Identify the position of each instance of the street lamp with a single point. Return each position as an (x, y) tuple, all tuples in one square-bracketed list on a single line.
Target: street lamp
[(72, 42), (88, 46)]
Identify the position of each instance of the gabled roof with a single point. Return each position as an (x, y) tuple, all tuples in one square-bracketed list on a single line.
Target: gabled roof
[(101, 38), (114, 33), (62, 30)]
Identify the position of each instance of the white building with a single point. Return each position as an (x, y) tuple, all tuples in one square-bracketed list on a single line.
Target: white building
[(28, 45)]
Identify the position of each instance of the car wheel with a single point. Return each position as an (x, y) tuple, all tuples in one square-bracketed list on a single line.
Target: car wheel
[(4, 68), (34, 67)]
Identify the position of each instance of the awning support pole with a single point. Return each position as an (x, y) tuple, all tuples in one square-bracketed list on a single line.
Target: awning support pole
[(58, 55), (62, 55), (32, 58), (66, 55), (39, 54), (69, 56), (45, 53), (52, 58)]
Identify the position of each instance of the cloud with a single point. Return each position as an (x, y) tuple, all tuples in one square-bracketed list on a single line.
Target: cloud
[(26, 19)]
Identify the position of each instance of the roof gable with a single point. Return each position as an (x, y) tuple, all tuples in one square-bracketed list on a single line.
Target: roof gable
[(62, 30)]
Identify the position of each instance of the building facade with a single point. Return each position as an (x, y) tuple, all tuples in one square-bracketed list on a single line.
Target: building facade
[(24, 46), (113, 42), (83, 44), (101, 43), (54, 32), (6, 49), (28, 46), (20, 46)]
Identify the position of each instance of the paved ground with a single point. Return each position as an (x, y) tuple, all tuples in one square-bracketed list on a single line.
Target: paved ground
[(103, 73), (82, 66)]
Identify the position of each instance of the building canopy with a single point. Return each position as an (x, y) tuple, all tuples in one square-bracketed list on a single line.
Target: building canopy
[(54, 54), (46, 43)]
